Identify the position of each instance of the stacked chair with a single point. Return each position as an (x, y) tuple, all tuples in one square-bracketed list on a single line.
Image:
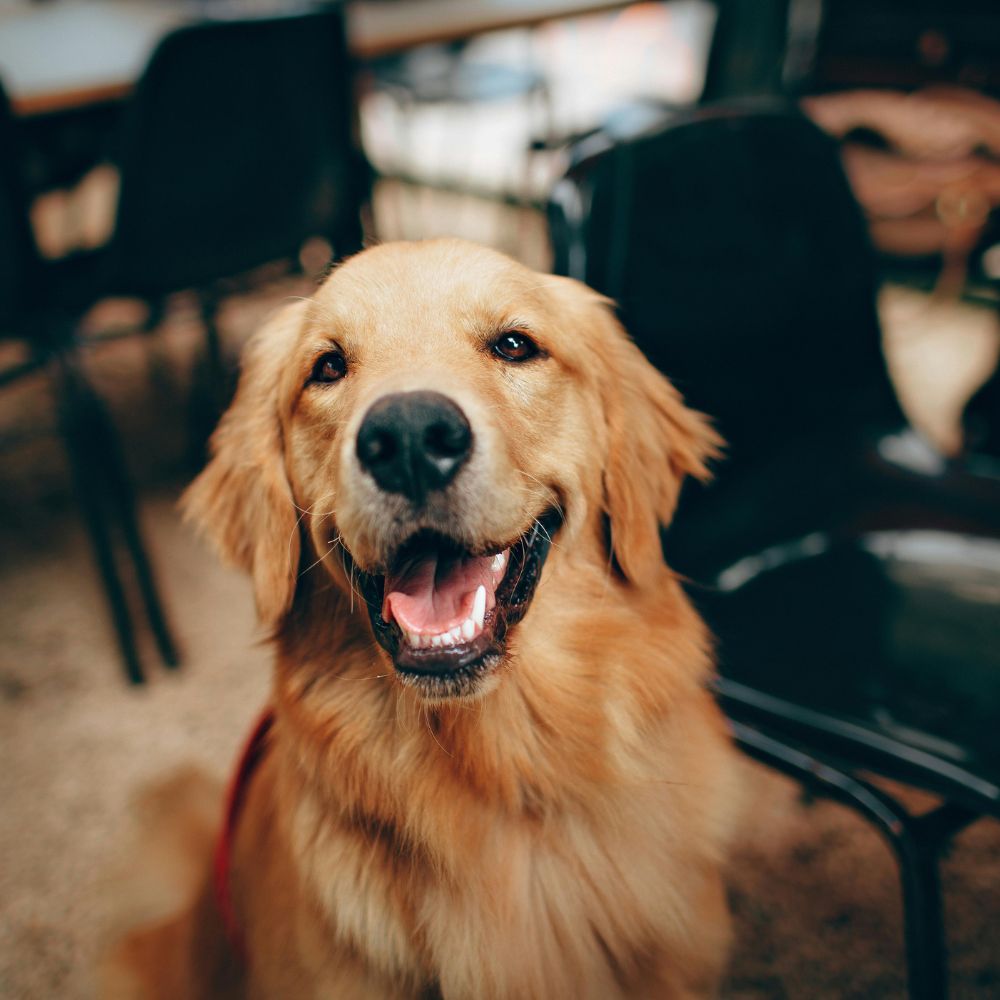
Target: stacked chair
[(237, 146), (850, 572), (31, 312)]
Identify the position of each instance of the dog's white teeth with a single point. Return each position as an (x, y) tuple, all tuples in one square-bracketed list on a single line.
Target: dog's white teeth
[(499, 561), (465, 632)]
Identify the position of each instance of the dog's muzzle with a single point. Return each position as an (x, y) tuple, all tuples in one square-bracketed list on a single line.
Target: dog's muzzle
[(439, 606)]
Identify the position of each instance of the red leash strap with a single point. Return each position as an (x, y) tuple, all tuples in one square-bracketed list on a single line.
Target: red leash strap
[(253, 754)]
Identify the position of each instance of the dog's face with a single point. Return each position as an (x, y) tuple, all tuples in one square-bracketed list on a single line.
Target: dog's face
[(424, 429)]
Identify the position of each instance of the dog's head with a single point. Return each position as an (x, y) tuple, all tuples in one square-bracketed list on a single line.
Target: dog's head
[(422, 430)]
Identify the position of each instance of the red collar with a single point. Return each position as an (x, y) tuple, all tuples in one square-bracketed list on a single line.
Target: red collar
[(253, 754)]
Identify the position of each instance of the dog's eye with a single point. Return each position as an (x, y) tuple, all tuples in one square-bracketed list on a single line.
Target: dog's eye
[(515, 347), (329, 368)]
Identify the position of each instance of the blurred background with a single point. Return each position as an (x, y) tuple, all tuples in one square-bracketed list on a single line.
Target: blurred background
[(796, 205)]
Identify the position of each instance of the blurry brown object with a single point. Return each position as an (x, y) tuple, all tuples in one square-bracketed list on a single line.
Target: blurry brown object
[(930, 180)]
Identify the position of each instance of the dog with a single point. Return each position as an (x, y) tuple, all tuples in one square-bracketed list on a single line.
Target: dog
[(493, 767)]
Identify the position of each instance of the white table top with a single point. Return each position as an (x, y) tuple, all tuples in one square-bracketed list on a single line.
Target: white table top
[(69, 53)]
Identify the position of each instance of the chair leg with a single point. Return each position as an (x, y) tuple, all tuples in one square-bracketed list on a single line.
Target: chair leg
[(918, 851), (75, 422), (95, 453), (916, 841), (209, 384), (926, 954), (124, 501)]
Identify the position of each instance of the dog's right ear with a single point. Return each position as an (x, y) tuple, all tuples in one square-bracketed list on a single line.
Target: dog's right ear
[(242, 500)]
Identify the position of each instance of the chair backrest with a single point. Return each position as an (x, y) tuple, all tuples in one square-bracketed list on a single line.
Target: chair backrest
[(237, 146), (848, 44), (742, 268), (775, 47), (747, 54), (18, 254)]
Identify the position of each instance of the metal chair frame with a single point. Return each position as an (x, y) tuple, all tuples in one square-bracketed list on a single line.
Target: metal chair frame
[(917, 841)]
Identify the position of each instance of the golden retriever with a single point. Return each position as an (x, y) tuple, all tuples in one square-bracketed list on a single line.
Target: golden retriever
[(494, 770)]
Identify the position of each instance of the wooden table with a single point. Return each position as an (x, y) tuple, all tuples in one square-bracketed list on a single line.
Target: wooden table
[(68, 54)]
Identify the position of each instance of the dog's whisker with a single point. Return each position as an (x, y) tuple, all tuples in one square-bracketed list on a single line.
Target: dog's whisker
[(533, 497), (303, 512), (326, 513), (425, 712), (323, 555), (314, 513), (292, 534), (547, 492), (366, 677), (331, 543), (543, 495), (545, 532), (349, 573), (314, 564), (400, 712)]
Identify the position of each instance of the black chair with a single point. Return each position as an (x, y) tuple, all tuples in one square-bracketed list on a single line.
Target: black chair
[(237, 146), (851, 573), (795, 48), (28, 314), (773, 48)]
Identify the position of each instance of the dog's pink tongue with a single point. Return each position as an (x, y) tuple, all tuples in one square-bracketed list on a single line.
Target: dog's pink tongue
[(432, 594)]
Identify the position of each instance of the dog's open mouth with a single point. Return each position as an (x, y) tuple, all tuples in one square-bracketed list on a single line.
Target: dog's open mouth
[(443, 612)]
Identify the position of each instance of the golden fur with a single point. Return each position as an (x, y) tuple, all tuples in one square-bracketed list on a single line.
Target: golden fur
[(560, 832)]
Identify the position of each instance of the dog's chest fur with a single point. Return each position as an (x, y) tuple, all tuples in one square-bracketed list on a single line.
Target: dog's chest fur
[(577, 903), (561, 838)]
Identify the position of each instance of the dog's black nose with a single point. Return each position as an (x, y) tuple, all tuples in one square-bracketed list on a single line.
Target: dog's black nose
[(414, 442)]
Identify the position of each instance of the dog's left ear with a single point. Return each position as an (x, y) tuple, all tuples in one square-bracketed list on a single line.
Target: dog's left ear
[(242, 500), (653, 442)]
